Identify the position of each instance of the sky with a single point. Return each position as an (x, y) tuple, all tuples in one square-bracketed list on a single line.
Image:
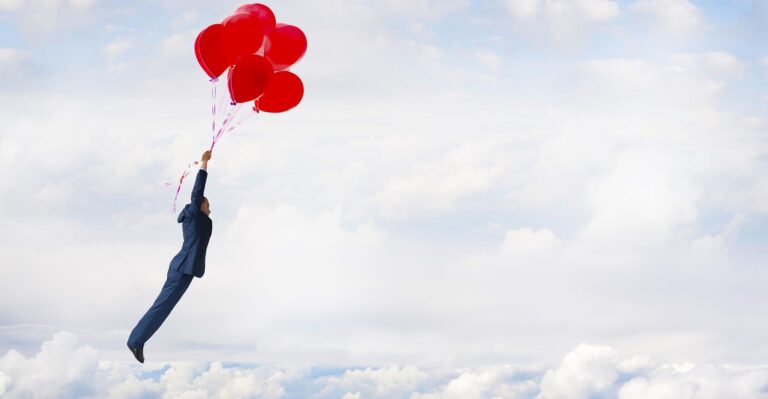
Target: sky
[(475, 199)]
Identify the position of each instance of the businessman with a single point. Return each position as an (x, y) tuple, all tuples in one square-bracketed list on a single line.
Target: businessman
[(190, 261)]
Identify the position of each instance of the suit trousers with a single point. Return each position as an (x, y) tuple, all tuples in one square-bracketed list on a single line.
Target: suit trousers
[(176, 283)]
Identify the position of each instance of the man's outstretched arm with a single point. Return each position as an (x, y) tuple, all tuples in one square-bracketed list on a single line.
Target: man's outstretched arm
[(202, 175)]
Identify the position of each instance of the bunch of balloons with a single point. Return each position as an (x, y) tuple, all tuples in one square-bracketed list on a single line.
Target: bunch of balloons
[(257, 51)]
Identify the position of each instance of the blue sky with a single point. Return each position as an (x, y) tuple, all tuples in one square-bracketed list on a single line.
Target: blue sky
[(506, 198)]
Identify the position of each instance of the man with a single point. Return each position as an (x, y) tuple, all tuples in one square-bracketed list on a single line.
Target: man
[(190, 261)]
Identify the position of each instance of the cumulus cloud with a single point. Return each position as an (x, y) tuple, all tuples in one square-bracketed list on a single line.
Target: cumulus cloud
[(424, 8), (586, 372), (435, 186), (12, 57), (640, 186), (64, 368), (382, 382), (10, 5), (718, 63), (494, 381), (489, 59), (523, 9), (675, 17), (114, 50), (60, 369), (40, 18), (562, 19), (178, 44), (117, 47), (589, 10), (693, 380), (591, 370), (526, 241), (364, 29)]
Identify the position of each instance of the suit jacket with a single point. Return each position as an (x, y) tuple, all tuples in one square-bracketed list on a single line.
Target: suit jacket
[(197, 228)]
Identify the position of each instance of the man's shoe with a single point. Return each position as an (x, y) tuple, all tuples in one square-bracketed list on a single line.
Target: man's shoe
[(138, 353)]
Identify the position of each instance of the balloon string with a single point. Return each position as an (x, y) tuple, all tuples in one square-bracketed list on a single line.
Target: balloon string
[(230, 116), (184, 174), (213, 105), (231, 113), (181, 180), (225, 127), (235, 125)]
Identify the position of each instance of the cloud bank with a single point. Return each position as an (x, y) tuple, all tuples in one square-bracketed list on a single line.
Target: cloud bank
[(65, 368)]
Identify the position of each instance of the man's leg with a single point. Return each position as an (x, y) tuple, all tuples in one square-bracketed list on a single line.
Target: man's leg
[(176, 284)]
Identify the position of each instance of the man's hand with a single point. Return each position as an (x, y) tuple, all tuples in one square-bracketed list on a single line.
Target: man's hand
[(206, 158)]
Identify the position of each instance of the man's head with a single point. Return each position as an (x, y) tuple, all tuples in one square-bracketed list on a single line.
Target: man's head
[(205, 206)]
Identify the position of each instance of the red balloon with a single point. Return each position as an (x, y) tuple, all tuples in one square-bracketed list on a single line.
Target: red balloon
[(212, 50), (245, 33), (285, 46), (284, 92), (249, 78), (265, 15)]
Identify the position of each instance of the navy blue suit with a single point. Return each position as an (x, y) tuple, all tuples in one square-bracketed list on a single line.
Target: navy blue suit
[(197, 228), (190, 261)]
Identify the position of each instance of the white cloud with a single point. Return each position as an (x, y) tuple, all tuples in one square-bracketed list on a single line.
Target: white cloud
[(12, 58), (424, 8), (717, 63), (230, 382), (435, 186), (82, 4), (523, 9), (117, 47), (180, 44), (589, 10), (63, 368), (382, 382), (641, 202), (526, 242), (586, 372), (562, 19), (489, 59), (40, 18), (363, 29), (486, 382), (676, 17), (10, 5), (58, 370), (427, 55), (645, 190)]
